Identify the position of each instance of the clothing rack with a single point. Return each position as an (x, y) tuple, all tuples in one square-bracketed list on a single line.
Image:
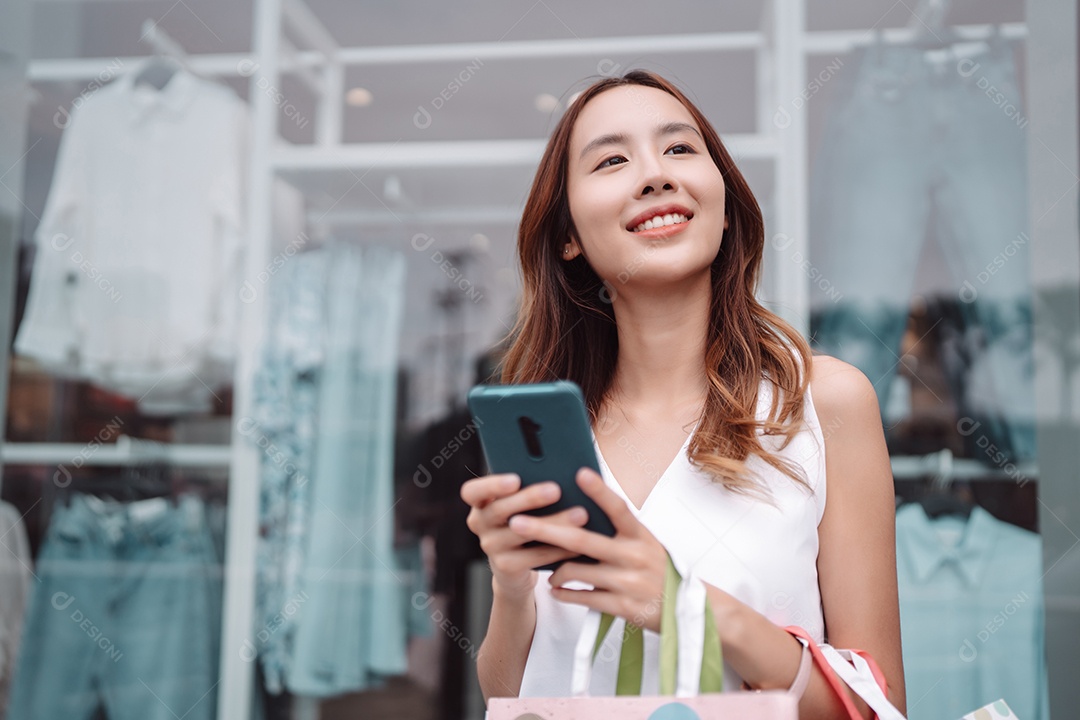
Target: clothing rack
[(942, 464), (782, 45), (126, 451)]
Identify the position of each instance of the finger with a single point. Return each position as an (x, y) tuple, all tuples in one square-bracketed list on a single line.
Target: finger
[(480, 491), (602, 576), (532, 497), (613, 506), (600, 600), (502, 539), (584, 542), (534, 557)]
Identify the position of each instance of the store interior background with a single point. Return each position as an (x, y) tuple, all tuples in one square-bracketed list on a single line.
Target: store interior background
[(454, 224)]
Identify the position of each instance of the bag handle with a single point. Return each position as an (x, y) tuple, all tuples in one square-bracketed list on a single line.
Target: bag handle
[(683, 627), (855, 668), (831, 677)]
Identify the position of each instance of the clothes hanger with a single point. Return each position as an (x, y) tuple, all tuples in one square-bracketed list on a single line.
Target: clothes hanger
[(930, 30), (941, 499), (167, 60), (157, 72)]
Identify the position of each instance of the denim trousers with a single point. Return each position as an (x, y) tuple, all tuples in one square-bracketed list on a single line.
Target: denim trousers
[(125, 615), (352, 630), (929, 140)]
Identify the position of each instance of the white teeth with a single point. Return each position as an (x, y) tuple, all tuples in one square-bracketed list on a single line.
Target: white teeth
[(661, 221)]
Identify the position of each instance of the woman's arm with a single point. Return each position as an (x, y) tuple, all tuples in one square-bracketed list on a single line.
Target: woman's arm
[(494, 499), (857, 535), (500, 664), (856, 555)]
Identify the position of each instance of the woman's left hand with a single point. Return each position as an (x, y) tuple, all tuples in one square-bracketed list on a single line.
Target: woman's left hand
[(628, 580)]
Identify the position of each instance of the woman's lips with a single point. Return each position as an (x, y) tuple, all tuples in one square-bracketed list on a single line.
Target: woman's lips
[(663, 231)]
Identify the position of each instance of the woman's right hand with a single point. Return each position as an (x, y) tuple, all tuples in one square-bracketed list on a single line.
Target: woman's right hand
[(494, 499)]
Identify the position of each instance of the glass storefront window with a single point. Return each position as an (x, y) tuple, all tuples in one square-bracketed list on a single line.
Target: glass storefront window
[(245, 292)]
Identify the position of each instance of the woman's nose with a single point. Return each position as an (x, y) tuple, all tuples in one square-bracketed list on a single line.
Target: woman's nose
[(655, 177), (651, 188)]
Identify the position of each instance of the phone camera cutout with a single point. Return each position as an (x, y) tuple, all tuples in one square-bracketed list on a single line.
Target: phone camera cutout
[(530, 430)]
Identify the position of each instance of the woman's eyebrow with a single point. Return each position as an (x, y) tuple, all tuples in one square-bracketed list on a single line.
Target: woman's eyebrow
[(609, 139), (677, 126), (669, 128)]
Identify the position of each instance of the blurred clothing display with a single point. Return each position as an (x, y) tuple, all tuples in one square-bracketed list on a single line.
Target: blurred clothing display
[(14, 589), (136, 280), (333, 597), (125, 616), (971, 614), (917, 137), (353, 626), (286, 408)]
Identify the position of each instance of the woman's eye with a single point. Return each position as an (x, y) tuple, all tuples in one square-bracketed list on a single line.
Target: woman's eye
[(614, 160), (680, 149)]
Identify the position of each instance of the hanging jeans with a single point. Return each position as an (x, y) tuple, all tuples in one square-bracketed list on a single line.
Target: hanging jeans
[(920, 136), (125, 615), (352, 629)]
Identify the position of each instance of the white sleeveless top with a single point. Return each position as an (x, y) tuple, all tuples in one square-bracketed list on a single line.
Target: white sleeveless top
[(765, 555)]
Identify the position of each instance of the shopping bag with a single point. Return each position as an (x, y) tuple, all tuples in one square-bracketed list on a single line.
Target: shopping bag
[(853, 668), (860, 673), (691, 669), (997, 710), (767, 705)]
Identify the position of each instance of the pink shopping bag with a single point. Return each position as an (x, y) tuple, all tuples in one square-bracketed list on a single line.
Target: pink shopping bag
[(769, 705), (690, 663)]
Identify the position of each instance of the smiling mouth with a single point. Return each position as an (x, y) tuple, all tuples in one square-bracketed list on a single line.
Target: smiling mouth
[(662, 221)]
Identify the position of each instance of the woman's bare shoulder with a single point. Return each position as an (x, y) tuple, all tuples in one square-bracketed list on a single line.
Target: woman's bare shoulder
[(841, 390)]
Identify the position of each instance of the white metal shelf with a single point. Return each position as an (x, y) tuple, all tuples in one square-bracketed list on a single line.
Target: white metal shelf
[(427, 216), (125, 451), (458, 153), (230, 64), (913, 467), (823, 42)]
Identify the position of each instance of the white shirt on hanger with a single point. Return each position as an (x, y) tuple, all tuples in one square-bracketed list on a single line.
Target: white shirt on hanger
[(137, 275)]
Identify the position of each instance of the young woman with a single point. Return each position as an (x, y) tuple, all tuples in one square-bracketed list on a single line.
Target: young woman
[(720, 436)]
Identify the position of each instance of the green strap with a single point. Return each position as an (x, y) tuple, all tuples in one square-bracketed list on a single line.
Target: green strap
[(669, 631), (605, 625), (632, 655), (631, 661), (712, 660)]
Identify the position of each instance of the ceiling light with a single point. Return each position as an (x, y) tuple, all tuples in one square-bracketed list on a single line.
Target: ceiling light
[(545, 102), (480, 242), (392, 188), (359, 97)]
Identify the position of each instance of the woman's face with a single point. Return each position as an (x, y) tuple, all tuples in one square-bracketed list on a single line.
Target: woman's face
[(646, 198)]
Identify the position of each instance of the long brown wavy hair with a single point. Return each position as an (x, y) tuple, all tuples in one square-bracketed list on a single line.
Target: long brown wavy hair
[(566, 325)]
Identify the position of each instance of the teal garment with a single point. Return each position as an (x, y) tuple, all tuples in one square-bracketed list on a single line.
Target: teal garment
[(284, 428), (124, 616), (352, 630), (971, 614)]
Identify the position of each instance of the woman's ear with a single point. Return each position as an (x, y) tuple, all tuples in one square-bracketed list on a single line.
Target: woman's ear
[(570, 249)]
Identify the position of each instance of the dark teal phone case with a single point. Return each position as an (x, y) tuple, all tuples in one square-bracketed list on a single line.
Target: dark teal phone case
[(540, 432)]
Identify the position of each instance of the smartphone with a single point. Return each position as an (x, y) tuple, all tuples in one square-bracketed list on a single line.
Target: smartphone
[(540, 432)]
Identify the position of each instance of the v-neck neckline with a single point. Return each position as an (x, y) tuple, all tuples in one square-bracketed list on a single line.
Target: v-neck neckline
[(656, 486)]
